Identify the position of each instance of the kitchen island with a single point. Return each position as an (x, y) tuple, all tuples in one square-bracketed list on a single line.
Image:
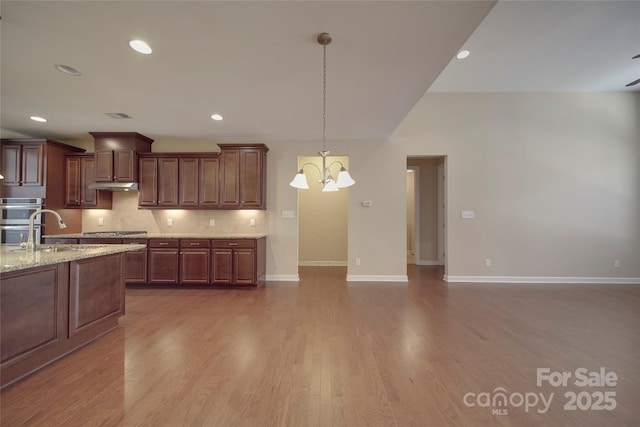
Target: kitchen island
[(56, 299)]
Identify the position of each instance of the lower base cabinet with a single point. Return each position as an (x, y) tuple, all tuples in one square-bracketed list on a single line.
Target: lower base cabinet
[(163, 261), (213, 262), (194, 261)]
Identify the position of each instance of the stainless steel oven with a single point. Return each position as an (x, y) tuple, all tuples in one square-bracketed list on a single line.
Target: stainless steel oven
[(14, 219)]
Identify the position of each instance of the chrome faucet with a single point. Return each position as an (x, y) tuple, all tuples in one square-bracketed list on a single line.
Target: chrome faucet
[(30, 245)]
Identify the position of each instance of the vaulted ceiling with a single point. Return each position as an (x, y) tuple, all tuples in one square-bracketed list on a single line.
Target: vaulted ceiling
[(258, 63)]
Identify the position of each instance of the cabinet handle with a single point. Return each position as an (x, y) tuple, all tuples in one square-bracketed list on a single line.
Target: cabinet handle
[(194, 244), (233, 244), (163, 243)]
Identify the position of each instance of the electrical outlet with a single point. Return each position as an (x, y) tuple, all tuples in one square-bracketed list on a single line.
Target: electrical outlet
[(357, 261), (252, 222), (616, 263), (212, 222), (487, 262), (169, 222), (100, 221)]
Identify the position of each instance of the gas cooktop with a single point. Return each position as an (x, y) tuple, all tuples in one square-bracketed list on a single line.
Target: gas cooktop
[(112, 233)]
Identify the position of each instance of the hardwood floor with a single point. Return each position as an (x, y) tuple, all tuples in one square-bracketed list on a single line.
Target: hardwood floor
[(324, 353)]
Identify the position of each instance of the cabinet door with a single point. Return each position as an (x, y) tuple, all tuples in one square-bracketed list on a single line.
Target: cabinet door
[(244, 266), (230, 177), (88, 198), (251, 179), (194, 266), (163, 265), (104, 165), (222, 266), (148, 186), (11, 164), (33, 165), (72, 182), (188, 181), (168, 181), (125, 166), (208, 185), (136, 266)]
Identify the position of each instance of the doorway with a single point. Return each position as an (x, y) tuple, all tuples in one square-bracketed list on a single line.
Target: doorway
[(322, 218), (426, 210)]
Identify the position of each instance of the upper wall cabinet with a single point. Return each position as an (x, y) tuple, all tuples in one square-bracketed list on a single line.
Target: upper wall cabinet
[(243, 176), (23, 164), (235, 178), (79, 173), (184, 180), (26, 164), (116, 157)]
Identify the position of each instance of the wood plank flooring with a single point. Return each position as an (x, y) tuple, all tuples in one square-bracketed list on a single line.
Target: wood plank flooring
[(324, 353)]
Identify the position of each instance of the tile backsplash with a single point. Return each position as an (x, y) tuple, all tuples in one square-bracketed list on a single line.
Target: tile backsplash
[(125, 216)]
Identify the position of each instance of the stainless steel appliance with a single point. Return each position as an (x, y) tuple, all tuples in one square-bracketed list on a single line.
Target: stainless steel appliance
[(14, 219)]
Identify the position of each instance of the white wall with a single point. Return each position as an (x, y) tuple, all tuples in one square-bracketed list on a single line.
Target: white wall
[(552, 178)]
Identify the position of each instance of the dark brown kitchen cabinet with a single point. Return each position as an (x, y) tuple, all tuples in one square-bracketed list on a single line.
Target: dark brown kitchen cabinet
[(208, 182), (116, 157), (240, 262), (182, 180), (23, 164), (116, 166), (167, 182), (135, 270), (163, 261), (158, 181), (148, 189), (243, 169), (79, 173), (188, 181), (194, 261)]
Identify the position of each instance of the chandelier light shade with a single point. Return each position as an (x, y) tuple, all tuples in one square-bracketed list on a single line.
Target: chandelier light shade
[(326, 179)]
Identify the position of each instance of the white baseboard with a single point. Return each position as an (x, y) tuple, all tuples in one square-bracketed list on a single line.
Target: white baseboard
[(543, 279), (322, 263), (282, 278), (427, 262), (375, 278)]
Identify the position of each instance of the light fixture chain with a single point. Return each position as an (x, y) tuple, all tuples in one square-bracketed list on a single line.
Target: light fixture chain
[(324, 97)]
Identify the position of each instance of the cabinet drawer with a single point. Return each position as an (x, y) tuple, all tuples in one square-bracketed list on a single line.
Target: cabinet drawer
[(194, 243), (240, 243), (135, 241), (158, 243)]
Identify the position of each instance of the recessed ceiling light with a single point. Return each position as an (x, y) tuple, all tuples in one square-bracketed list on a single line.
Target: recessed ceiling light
[(38, 119), (463, 54), (140, 46), (217, 117), (68, 70)]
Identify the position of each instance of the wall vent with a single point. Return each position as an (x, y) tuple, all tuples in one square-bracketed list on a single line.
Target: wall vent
[(119, 115)]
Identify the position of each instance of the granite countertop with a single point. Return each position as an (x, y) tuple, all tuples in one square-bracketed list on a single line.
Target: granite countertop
[(13, 258), (160, 236)]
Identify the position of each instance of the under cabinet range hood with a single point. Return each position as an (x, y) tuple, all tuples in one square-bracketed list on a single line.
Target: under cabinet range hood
[(114, 186)]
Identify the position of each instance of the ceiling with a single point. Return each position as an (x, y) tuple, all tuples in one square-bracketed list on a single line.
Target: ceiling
[(258, 63)]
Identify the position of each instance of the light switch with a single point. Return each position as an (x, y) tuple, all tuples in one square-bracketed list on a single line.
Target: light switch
[(212, 222), (468, 214), (367, 203)]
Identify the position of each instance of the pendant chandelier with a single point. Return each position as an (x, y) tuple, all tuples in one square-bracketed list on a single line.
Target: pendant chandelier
[(326, 179)]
